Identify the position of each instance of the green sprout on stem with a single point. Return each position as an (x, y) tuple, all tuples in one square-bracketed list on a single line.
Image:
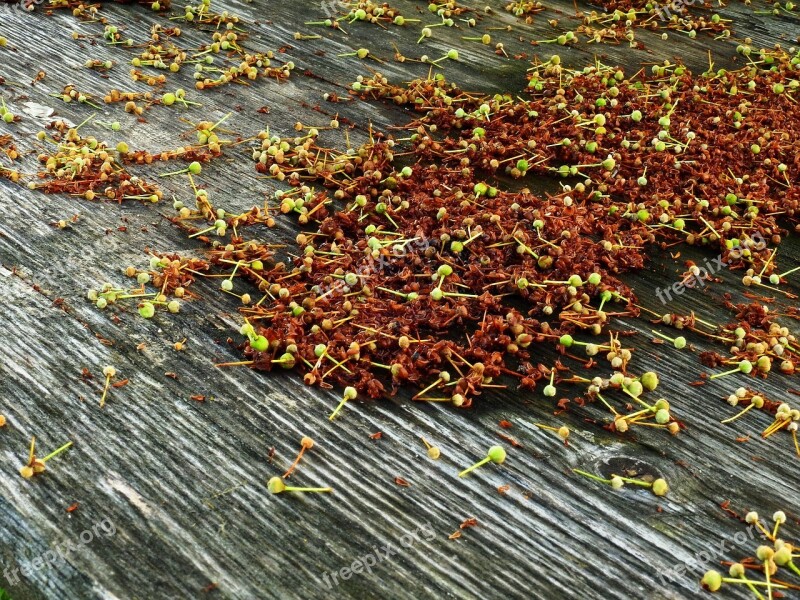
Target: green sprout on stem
[(358, 15), (35, 465), (658, 486), (713, 581), (744, 366), (485, 39), (755, 402), (194, 168), (563, 431), (227, 284), (350, 393), (562, 39), (496, 454), (277, 486), (287, 360), (220, 226), (109, 372), (257, 342), (679, 342), (775, 278), (361, 53), (171, 98), (568, 341), (550, 390), (400, 20), (452, 54)]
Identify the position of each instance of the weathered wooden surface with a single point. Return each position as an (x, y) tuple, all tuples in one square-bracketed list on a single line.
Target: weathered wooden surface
[(184, 482)]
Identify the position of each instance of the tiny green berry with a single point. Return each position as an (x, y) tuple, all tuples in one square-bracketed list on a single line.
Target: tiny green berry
[(276, 485), (147, 310), (635, 388), (662, 417), (712, 580), (782, 557), (259, 343), (496, 454), (649, 381), (737, 569), (764, 553), (350, 393), (444, 270)]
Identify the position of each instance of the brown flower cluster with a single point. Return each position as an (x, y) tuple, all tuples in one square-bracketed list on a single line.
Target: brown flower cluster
[(437, 275)]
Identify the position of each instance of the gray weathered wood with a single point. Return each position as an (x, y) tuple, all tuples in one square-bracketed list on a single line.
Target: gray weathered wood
[(183, 482)]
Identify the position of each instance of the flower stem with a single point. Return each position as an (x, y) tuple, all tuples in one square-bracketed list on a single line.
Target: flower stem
[(105, 392), (724, 373), (591, 476), (475, 466), (338, 408), (741, 414), (57, 452)]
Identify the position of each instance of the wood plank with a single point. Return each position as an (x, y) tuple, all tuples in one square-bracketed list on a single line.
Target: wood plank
[(183, 482)]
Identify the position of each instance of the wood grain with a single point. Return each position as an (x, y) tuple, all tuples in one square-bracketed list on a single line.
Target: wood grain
[(183, 482)]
